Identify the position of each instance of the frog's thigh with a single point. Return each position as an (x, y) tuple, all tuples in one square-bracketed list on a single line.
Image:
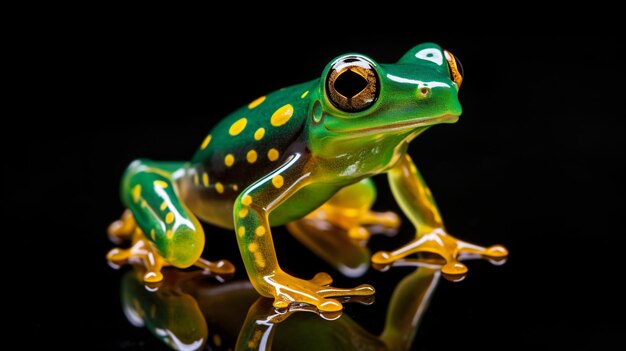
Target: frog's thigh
[(167, 233), (338, 229), (150, 193)]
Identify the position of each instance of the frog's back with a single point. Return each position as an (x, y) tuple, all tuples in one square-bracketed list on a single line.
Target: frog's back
[(243, 147)]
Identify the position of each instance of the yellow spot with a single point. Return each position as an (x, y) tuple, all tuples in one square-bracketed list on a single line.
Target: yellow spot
[(169, 218), (259, 259), (144, 204), (219, 187), (304, 94), (169, 234), (243, 212), (256, 338), (217, 340), (205, 179), (253, 247), (229, 160), (278, 181), (247, 200), (282, 115), (195, 179), (152, 234), (241, 231), (160, 184), (206, 142), (251, 156), (256, 102), (260, 230), (163, 205), (273, 154), (136, 193), (238, 126), (235, 187), (258, 135)]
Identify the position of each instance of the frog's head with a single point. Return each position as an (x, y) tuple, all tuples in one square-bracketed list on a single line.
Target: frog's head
[(359, 97)]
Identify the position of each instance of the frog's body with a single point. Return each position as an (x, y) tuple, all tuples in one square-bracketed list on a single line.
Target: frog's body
[(306, 147), (257, 148)]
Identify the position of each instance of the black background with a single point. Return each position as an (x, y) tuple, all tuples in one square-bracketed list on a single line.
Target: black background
[(536, 163)]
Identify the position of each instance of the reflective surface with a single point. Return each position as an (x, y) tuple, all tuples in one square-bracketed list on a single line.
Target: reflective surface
[(186, 311), (176, 309)]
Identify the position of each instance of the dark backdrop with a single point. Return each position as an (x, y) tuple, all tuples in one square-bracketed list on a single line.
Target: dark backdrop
[(536, 163)]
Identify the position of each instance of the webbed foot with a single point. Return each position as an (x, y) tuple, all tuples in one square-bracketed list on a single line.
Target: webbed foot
[(451, 249), (288, 290)]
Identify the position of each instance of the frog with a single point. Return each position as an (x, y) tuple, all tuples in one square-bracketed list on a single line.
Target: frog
[(310, 147)]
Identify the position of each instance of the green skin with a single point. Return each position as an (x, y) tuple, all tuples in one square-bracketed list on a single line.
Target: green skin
[(321, 150)]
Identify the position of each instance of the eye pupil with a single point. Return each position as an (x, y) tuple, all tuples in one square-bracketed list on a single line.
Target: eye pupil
[(350, 84)]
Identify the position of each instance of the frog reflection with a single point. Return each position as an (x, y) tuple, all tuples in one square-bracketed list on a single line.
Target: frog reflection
[(308, 332), (187, 311), (179, 310)]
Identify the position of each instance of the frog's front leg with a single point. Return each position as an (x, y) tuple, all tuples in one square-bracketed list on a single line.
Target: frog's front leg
[(417, 202), (251, 213), (163, 230)]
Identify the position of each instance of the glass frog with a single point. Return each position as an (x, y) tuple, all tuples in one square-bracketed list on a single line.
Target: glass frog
[(306, 148)]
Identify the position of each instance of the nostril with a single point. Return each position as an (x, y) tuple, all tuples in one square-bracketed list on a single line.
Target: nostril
[(425, 91)]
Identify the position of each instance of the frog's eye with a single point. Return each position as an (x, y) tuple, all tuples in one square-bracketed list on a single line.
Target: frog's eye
[(455, 67), (352, 84)]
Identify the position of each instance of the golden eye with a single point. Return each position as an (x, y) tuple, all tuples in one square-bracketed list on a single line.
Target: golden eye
[(455, 67), (352, 84)]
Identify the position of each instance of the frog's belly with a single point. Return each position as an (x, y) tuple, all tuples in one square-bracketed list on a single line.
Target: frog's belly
[(217, 209)]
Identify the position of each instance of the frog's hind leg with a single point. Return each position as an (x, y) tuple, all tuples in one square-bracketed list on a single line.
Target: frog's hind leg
[(122, 229), (143, 252), (338, 230), (162, 229)]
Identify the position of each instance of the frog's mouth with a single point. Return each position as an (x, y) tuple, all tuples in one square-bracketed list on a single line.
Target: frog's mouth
[(398, 126)]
